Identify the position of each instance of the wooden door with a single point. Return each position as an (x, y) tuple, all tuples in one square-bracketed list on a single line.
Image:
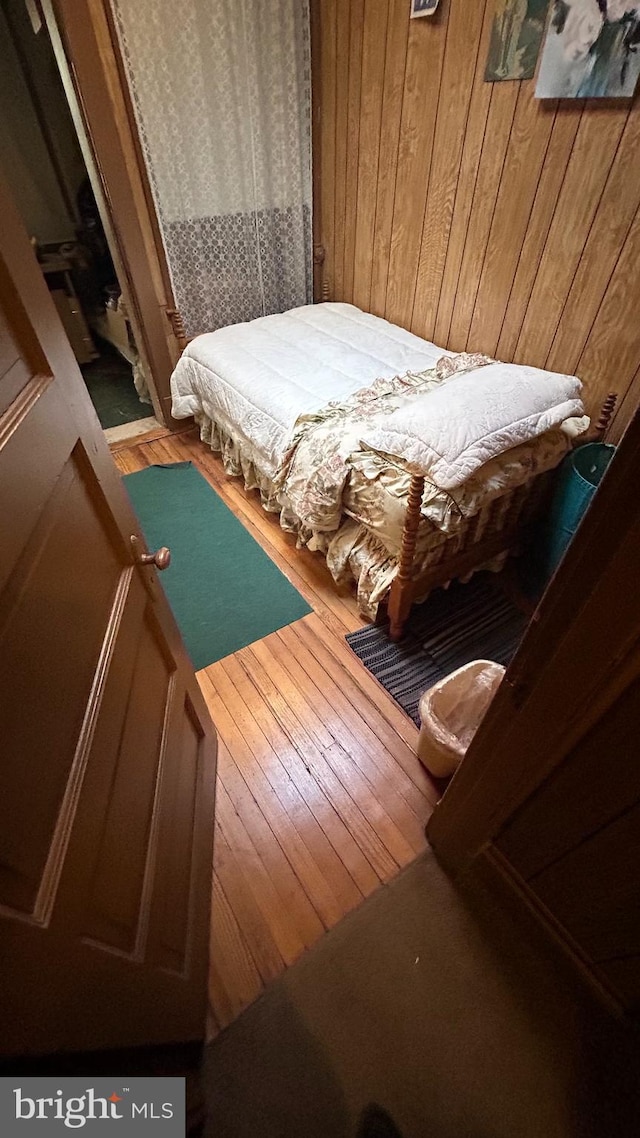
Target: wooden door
[(108, 753), (86, 47), (549, 792)]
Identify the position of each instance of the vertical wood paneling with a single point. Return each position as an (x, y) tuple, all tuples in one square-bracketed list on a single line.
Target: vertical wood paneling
[(526, 152), (504, 98), (471, 212), (373, 56), (393, 91), (610, 358), (602, 250), (593, 152), (565, 128), (473, 142), (465, 54), (427, 39)]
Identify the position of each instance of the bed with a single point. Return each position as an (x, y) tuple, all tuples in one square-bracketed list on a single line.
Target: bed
[(297, 404)]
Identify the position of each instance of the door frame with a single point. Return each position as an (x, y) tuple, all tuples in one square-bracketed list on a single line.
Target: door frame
[(580, 651), (90, 63)]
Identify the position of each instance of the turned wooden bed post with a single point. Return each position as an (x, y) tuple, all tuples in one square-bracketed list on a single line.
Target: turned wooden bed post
[(400, 596), (606, 415), (466, 560), (177, 327)]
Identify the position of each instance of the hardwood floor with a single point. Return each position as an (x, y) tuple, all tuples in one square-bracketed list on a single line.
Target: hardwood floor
[(320, 795)]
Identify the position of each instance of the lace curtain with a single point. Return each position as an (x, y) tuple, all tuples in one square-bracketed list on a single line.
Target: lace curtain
[(222, 96)]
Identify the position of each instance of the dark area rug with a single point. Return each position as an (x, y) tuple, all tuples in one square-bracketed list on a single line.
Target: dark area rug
[(440, 1013), (476, 621), (224, 590), (109, 380)]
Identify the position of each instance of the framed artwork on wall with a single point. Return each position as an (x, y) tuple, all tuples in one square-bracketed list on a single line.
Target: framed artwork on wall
[(591, 50), (516, 35), (423, 7)]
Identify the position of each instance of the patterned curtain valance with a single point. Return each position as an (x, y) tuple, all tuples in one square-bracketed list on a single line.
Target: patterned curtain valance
[(221, 91)]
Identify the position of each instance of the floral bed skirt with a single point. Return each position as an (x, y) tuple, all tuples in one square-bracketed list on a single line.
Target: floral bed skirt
[(353, 553)]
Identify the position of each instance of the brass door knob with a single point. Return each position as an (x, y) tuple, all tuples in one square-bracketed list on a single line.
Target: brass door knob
[(161, 558)]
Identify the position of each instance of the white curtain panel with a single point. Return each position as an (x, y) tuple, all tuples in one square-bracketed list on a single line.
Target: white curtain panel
[(222, 97)]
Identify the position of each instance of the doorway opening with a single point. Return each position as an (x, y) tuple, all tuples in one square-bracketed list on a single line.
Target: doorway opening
[(50, 169)]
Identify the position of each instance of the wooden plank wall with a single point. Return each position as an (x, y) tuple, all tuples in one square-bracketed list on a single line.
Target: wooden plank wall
[(471, 212)]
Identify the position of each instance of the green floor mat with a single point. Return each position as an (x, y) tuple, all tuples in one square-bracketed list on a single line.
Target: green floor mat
[(224, 590)]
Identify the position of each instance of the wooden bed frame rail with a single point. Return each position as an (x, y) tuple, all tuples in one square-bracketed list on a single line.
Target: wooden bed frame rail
[(505, 535)]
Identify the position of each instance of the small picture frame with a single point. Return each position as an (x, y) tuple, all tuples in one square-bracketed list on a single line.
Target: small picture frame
[(423, 8), (516, 35)]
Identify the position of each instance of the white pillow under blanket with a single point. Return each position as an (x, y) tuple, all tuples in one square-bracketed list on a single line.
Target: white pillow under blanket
[(449, 432)]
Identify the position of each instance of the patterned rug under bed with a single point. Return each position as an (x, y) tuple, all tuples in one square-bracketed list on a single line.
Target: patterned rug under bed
[(476, 621)]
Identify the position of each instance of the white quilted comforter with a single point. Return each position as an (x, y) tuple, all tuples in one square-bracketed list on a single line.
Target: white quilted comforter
[(256, 379), (450, 432)]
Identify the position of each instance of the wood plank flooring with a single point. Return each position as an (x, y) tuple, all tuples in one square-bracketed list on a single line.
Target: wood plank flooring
[(321, 798)]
